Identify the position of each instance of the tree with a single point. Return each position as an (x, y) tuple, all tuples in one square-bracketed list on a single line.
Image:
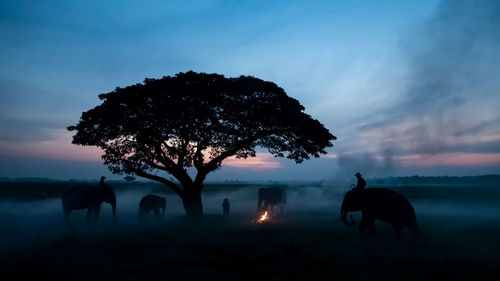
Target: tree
[(197, 120)]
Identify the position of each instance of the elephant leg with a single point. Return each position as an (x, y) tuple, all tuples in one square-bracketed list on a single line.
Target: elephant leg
[(89, 214), (66, 215), (96, 212), (397, 230), (370, 224), (413, 227), (416, 231), (367, 221), (362, 225)]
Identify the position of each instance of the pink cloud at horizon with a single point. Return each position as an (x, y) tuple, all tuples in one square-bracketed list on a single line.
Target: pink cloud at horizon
[(261, 161), (59, 148), (450, 159)]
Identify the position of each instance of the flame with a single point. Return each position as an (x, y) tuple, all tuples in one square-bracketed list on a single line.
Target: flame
[(262, 218)]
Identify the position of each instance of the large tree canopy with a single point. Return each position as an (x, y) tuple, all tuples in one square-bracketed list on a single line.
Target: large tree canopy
[(197, 120)]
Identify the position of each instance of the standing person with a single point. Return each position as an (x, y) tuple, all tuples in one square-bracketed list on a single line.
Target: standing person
[(361, 182), (225, 207), (101, 182)]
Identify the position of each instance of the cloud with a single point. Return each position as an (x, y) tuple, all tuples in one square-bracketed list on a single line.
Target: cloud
[(57, 148), (448, 110), (262, 161), (368, 164), (26, 129), (450, 159)]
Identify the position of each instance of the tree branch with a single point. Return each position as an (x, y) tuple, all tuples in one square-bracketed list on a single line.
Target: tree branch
[(170, 184), (183, 152), (164, 159), (214, 163), (200, 177), (198, 157)]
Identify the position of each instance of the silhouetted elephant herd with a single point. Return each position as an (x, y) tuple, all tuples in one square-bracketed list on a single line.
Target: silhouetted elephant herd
[(374, 203), (91, 197)]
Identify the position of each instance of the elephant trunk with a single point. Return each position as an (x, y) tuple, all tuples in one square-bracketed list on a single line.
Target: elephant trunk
[(344, 219)]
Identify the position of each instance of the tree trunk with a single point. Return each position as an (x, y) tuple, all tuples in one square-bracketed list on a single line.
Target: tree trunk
[(191, 199)]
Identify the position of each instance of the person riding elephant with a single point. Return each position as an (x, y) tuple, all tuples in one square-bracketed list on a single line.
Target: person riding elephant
[(88, 197), (153, 203), (361, 182), (382, 204)]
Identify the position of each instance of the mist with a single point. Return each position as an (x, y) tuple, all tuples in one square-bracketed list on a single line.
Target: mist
[(309, 205)]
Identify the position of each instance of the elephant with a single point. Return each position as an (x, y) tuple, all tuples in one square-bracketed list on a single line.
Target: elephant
[(154, 203), (270, 197), (88, 197), (382, 204)]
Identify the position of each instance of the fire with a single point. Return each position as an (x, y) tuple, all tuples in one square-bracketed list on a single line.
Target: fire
[(262, 218)]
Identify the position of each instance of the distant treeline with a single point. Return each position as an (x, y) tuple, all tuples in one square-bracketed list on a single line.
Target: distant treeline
[(444, 180), (33, 189)]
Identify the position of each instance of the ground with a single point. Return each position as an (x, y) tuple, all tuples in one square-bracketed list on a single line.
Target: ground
[(301, 244)]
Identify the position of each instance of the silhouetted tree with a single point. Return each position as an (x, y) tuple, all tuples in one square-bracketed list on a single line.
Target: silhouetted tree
[(197, 120)]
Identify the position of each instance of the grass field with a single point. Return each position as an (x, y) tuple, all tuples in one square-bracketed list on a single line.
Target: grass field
[(461, 227)]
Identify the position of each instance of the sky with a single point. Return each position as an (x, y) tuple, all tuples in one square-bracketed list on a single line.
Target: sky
[(408, 87)]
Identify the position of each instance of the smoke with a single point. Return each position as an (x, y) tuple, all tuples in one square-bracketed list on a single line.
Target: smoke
[(454, 55), (368, 164), (451, 95)]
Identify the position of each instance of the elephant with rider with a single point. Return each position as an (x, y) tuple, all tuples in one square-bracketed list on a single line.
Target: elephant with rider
[(88, 197), (383, 204)]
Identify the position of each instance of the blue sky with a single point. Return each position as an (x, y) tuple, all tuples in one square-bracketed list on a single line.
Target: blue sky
[(407, 86)]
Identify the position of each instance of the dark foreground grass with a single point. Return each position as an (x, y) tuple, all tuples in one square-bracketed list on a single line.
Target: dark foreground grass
[(216, 248)]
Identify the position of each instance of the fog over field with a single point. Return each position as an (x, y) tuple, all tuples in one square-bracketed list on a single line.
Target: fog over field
[(29, 222)]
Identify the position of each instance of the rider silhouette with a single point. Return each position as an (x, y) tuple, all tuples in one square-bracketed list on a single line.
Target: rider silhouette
[(361, 182), (101, 182)]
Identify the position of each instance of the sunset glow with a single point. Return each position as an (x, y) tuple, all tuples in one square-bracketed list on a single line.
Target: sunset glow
[(59, 148), (262, 161), (410, 103)]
